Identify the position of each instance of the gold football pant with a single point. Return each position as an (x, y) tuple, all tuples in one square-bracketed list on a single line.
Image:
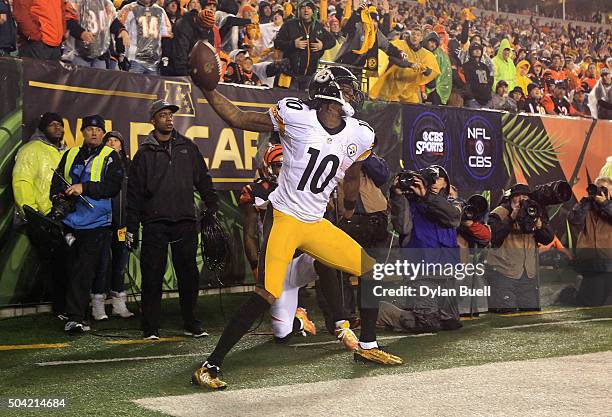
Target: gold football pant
[(284, 234)]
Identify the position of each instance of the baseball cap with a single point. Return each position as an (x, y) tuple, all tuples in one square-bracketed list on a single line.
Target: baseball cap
[(517, 89), (159, 105), (95, 120), (561, 84), (519, 189)]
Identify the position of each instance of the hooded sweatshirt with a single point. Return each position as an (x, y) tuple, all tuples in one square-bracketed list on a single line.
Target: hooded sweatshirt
[(523, 80), (478, 78), (33, 173), (504, 70)]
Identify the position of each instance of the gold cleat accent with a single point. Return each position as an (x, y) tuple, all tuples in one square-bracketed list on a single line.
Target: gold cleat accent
[(204, 378), (376, 355), (348, 338), (307, 325)]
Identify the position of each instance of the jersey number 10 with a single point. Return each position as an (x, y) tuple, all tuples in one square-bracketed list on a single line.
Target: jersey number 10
[(314, 155)]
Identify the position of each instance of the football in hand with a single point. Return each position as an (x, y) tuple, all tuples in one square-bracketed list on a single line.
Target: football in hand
[(204, 66)]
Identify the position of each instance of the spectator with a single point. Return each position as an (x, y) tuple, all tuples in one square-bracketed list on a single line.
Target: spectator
[(532, 103), (557, 102), (161, 198), (522, 75), (440, 88), (512, 264), (593, 215), (269, 31), (189, 29), (364, 37), (173, 10), (580, 103), (250, 78), (90, 40), (402, 81), (303, 41), (501, 100), (229, 24), (32, 176), (41, 25), (537, 74), (589, 77), (518, 96), (478, 78), (503, 65), (90, 226), (600, 98), (265, 12), (234, 73), (114, 267), (8, 29), (146, 23)]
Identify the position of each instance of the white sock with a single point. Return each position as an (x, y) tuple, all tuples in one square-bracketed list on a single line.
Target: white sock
[(368, 345)]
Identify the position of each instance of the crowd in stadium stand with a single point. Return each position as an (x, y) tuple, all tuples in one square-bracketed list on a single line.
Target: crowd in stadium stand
[(430, 51)]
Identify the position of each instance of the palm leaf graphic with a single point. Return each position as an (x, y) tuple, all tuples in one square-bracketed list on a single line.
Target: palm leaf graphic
[(528, 147)]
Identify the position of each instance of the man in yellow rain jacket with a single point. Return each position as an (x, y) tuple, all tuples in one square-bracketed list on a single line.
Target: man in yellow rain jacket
[(32, 176), (404, 84), (34, 163)]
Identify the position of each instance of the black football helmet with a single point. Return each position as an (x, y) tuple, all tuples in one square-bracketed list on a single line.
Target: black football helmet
[(325, 85)]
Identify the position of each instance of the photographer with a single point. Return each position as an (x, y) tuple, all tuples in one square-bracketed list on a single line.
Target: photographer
[(94, 173), (517, 225), (32, 175), (426, 218), (593, 215)]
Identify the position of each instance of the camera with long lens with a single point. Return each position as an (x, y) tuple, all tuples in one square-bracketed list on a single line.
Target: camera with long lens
[(594, 190), (529, 213), (556, 192), (407, 179), (475, 208)]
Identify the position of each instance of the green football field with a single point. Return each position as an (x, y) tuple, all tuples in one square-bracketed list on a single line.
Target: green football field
[(103, 372)]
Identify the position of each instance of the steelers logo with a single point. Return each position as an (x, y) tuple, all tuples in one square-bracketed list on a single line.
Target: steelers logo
[(351, 150), (372, 63)]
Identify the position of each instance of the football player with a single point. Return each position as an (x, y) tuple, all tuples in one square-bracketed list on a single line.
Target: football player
[(322, 144)]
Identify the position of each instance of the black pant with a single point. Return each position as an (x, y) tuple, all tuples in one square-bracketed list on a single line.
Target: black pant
[(38, 50), (183, 240), (86, 262)]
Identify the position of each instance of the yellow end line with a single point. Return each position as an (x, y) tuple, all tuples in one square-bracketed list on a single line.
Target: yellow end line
[(242, 103), (34, 346), (98, 91), (232, 179), (141, 341)]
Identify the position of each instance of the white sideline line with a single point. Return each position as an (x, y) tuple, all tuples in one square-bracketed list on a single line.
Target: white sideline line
[(133, 358), (522, 326), (335, 342)]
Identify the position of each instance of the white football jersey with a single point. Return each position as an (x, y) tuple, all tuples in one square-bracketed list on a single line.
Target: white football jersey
[(313, 159)]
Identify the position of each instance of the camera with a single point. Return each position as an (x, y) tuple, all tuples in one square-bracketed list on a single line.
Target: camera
[(529, 213), (556, 192), (594, 190), (475, 208), (61, 207), (407, 179)]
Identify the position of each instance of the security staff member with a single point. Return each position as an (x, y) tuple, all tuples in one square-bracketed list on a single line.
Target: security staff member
[(94, 171), (163, 175)]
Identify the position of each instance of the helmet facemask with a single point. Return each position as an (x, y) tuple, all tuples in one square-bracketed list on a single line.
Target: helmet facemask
[(326, 85)]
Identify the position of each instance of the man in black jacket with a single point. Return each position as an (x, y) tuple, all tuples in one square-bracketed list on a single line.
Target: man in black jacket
[(478, 78), (303, 41), (164, 172)]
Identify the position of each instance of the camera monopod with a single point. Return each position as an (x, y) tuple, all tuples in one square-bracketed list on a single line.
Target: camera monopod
[(85, 200)]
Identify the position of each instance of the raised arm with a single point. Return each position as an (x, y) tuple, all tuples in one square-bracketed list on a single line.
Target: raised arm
[(233, 116)]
